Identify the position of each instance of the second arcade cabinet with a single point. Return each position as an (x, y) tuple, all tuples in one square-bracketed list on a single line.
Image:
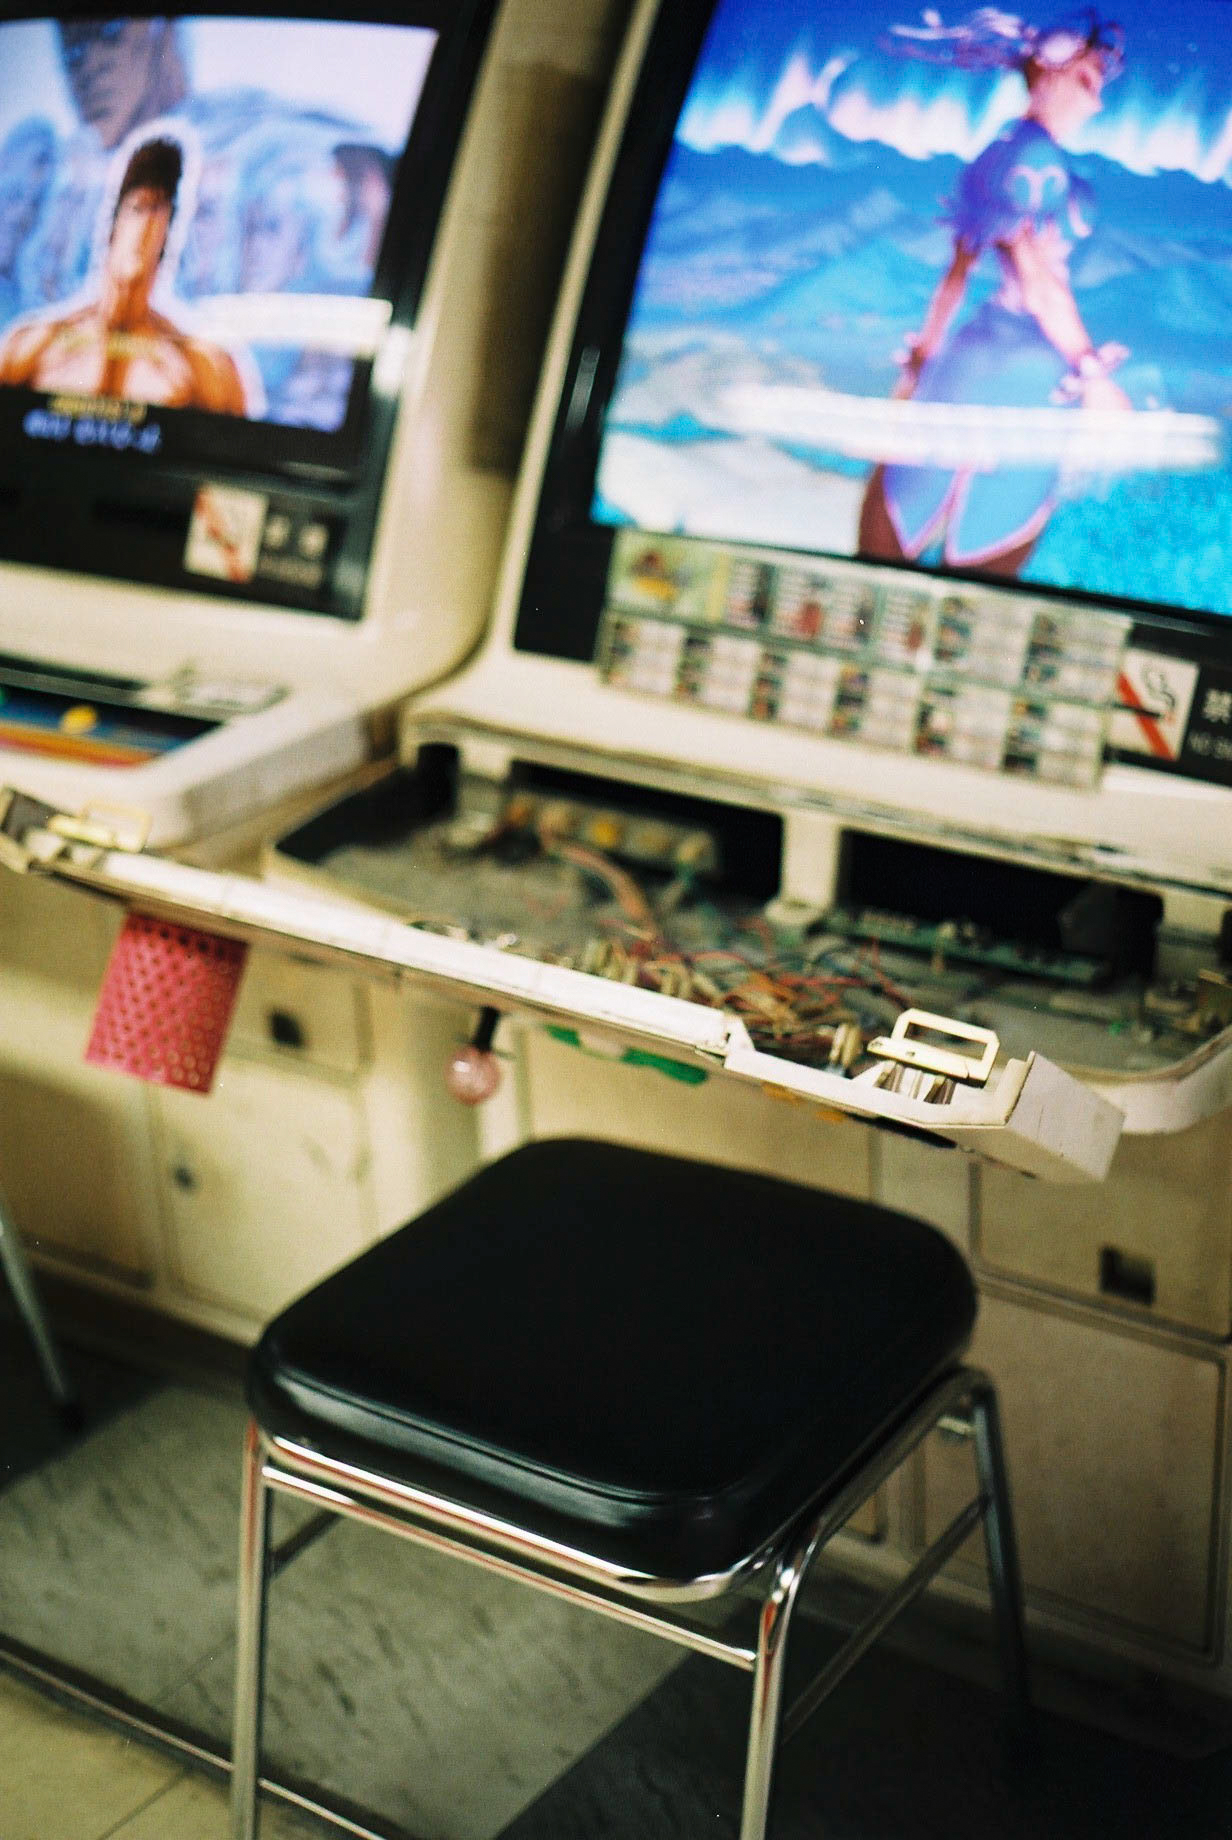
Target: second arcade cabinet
[(863, 642)]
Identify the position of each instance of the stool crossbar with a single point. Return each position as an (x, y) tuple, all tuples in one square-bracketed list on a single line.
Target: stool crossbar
[(299, 1457)]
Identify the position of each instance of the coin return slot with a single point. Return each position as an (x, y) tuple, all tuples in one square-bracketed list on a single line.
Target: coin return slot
[(285, 1029), (1124, 1276)]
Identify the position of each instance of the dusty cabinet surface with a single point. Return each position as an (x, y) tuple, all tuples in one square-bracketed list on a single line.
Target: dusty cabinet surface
[(1113, 1440), (573, 1091), (263, 1183), (1156, 1235), (75, 1162)]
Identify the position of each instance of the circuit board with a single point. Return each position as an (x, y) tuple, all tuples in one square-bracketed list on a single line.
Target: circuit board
[(532, 877)]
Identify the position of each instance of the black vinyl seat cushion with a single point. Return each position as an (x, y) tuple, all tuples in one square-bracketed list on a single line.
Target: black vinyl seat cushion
[(655, 1360)]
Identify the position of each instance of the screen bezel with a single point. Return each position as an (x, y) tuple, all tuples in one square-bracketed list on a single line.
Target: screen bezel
[(196, 442), (562, 598)]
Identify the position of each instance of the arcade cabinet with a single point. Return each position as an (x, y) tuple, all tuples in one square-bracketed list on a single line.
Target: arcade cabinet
[(242, 520), (863, 642), (850, 749), (272, 294)]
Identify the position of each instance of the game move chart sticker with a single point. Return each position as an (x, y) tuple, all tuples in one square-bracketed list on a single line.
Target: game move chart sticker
[(166, 1002)]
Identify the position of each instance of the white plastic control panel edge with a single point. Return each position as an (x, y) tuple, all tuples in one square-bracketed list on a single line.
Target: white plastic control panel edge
[(1031, 1114)]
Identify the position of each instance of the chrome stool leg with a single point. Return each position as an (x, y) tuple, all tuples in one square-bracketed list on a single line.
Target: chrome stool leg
[(250, 1642), (21, 1283), (1001, 1546), (765, 1721)]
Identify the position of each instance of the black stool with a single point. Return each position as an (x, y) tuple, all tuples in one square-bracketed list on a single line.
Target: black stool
[(633, 1381)]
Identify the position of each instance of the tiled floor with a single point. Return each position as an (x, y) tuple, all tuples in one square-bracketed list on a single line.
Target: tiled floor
[(442, 1698), (64, 1777)]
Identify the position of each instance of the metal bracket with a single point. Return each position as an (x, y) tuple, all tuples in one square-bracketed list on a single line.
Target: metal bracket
[(104, 827), (909, 1050), (34, 834)]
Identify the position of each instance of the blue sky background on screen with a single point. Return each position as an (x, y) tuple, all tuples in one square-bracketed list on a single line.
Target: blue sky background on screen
[(1171, 110)]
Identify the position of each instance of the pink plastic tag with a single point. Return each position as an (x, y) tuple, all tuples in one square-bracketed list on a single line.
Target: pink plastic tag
[(166, 1002)]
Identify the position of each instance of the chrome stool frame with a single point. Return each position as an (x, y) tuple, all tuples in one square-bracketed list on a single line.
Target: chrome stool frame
[(964, 1396)]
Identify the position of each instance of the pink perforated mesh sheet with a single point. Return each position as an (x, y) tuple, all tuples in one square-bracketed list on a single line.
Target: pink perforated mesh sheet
[(166, 1002)]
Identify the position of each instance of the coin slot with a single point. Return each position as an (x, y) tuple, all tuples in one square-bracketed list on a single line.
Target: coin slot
[(1126, 1277)]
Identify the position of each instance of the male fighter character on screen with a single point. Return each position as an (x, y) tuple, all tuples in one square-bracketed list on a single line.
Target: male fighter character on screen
[(117, 344), (1027, 346)]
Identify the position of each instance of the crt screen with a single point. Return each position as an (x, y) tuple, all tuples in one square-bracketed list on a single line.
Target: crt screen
[(191, 209), (946, 287)]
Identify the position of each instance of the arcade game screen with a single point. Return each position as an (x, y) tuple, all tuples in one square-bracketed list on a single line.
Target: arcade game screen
[(947, 287), (192, 211)]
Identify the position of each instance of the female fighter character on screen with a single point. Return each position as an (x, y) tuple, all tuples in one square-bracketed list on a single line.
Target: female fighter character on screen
[(1027, 345)]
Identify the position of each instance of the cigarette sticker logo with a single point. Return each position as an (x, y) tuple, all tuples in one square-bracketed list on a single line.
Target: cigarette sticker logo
[(1154, 697), (224, 534)]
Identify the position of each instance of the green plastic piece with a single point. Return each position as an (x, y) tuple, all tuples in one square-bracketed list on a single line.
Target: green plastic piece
[(636, 1057)]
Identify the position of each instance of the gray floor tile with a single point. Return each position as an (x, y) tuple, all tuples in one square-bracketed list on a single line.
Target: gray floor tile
[(119, 1557), (429, 1691)]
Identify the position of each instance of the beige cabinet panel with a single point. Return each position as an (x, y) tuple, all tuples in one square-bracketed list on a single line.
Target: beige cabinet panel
[(927, 1180), (1112, 1445), (1156, 1236), (306, 1015), (871, 1522), (265, 1185), (75, 1163), (48, 930), (572, 1092)]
